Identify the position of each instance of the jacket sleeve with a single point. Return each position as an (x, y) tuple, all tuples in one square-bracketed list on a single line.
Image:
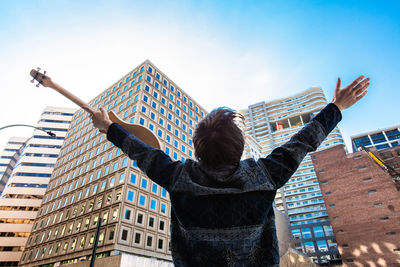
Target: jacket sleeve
[(157, 165), (283, 161)]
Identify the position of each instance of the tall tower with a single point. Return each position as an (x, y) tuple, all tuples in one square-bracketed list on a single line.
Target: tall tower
[(32, 163), (272, 124), (93, 180)]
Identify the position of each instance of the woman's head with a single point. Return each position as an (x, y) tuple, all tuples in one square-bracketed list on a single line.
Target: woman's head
[(218, 140)]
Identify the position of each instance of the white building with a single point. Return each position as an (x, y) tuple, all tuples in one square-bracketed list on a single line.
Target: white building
[(272, 124), (31, 166)]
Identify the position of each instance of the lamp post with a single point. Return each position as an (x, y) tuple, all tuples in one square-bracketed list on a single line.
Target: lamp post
[(26, 125)]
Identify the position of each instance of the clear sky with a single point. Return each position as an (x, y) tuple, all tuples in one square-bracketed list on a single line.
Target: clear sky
[(222, 53)]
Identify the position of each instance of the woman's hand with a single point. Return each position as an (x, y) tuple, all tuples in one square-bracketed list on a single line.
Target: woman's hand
[(351, 94), (100, 119)]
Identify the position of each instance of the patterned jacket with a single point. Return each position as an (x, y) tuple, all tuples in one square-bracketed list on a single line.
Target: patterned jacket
[(224, 217)]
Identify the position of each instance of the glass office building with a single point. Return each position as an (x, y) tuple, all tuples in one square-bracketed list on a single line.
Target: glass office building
[(381, 139)]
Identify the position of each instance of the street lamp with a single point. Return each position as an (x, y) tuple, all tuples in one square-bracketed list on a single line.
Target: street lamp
[(26, 125)]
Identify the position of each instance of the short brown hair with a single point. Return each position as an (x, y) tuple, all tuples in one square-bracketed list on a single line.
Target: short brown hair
[(218, 140)]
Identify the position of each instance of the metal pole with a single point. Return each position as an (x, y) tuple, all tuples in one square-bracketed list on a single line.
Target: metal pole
[(95, 243), (26, 125)]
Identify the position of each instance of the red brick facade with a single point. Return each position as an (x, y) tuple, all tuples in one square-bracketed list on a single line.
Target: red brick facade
[(363, 204)]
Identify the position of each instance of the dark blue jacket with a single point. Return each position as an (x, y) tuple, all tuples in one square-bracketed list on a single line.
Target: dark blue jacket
[(224, 217)]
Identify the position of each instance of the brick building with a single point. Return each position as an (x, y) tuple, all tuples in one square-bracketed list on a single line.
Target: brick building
[(363, 204)]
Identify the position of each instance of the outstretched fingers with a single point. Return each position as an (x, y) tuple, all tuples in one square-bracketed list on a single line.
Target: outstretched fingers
[(361, 95), (361, 86), (338, 85), (356, 81)]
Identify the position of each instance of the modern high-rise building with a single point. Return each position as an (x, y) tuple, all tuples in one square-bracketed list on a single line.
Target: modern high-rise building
[(381, 139), (32, 164), (272, 124), (363, 201), (93, 180), (9, 158)]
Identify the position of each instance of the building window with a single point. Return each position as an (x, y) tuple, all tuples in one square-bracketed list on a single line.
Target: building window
[(161, 225), (109, 199), (139, 218), (306, 232), (115, 166), (309, 247), (132, 179), (153, 204), (103, 185), (115, 214), (127, 214), (322, 246), (149, 241), (318, 231), (138, 237), (130, 195), (118, 196), (163, 192), (163, 208), (151, 221), (111, 235), (121, 177), (124, 235), (142, 200), (144, 183), (154, 188)]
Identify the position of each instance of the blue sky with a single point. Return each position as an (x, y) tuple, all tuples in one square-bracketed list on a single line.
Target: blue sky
[(222, 53)]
